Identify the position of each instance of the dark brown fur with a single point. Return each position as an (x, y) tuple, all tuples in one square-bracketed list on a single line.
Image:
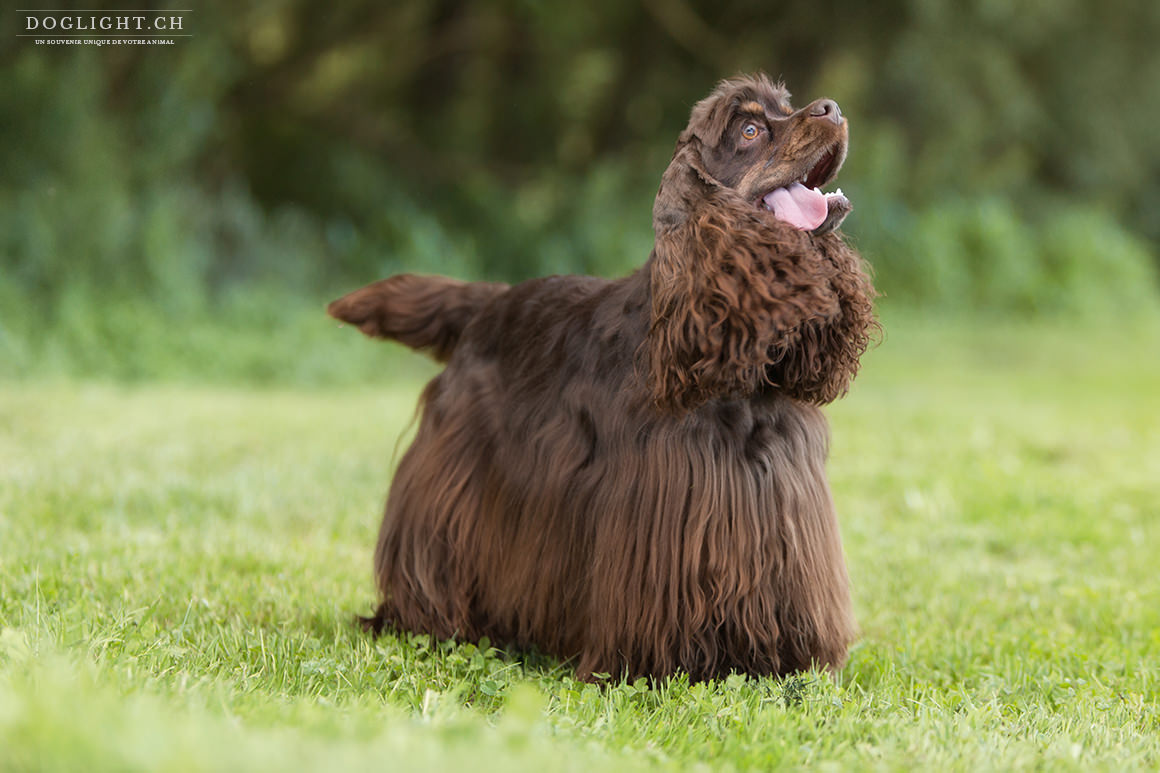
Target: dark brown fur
[(631, 473)]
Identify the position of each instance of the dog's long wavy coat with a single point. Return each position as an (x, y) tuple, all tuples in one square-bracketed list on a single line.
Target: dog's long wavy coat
[(630, 473)]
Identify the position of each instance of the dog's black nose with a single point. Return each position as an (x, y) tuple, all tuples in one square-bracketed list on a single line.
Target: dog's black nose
[(826, 108)]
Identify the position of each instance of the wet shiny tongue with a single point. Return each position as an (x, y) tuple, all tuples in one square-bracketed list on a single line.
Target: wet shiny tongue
[(801, 207)]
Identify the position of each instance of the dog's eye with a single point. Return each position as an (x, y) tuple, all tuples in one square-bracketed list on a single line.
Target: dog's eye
[(750, 131)]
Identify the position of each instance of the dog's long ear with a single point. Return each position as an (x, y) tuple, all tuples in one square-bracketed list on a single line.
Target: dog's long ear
[(427, 313), (708, 120), (732, 291)]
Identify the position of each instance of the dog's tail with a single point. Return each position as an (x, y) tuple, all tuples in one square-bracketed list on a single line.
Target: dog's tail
[(427, 313)]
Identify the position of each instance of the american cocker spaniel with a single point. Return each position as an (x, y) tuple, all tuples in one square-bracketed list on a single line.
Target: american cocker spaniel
[(630, 473)]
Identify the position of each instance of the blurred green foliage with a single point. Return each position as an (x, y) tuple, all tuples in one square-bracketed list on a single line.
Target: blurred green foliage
[(1003, 154)]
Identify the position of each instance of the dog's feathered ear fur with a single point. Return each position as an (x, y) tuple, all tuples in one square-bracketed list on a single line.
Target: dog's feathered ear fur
[(740, 301)]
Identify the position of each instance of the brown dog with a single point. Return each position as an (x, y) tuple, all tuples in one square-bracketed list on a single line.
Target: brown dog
[(631, 472)]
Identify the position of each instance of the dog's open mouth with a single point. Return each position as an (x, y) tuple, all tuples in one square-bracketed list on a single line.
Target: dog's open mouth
[(801, 203)]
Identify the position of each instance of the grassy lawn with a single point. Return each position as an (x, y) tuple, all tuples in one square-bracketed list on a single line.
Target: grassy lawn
[(179, 567)]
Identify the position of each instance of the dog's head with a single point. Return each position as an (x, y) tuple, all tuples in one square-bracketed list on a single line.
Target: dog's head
[(746, 137), (750, 289)]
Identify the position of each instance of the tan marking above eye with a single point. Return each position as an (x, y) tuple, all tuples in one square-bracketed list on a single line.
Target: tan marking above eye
[(753, 107)]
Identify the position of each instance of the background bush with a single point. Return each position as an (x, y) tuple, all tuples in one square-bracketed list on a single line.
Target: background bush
[(159, 205)]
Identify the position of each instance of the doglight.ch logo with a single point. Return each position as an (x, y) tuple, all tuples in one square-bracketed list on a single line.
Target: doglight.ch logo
[(105, 28)]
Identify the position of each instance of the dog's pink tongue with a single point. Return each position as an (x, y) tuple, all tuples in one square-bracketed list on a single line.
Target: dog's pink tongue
[(801, 207)]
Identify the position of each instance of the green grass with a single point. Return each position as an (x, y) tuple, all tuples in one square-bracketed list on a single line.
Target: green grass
[(179, 566)]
